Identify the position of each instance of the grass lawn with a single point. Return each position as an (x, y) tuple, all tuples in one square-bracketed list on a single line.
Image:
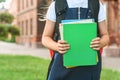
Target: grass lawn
[(108, 74), (32, 68), (22, 68)]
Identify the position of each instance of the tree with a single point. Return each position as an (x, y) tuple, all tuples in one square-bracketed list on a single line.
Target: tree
[(8, 32), (14, 30), (3, 31), (2, 0), (6, 17)]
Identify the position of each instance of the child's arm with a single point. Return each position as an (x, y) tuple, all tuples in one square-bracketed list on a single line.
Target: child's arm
[(61, 46), (103, 40)]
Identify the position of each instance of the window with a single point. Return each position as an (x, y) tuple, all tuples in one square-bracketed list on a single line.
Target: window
[(19, 5), (26, 32), (26, 3), (19, 24), (20, 27), (22, 31), (31, 2), (22, 4), (31, 26)]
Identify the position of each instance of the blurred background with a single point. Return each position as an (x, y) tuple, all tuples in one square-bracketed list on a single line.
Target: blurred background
[(29, 17), (21, 27)]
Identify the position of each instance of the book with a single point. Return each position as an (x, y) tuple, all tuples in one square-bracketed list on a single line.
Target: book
[(77, 21), (79, 36)]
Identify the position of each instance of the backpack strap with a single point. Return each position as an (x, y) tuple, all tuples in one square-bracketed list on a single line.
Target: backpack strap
[(60, 9), (94, 7)]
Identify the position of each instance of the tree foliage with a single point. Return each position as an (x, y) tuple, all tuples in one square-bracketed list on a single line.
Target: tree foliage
[(2, 1), (3, 31), (6, 17), (14, 30), (8, 30)]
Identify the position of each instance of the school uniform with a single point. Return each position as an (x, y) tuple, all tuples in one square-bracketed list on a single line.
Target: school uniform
[(57, 70)]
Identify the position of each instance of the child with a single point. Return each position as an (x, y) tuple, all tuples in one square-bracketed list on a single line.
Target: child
[(57, 70)]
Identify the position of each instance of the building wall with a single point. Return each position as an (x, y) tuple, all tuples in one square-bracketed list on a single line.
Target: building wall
[(28, 21), (28, 27), (113, 20), (13, 11)]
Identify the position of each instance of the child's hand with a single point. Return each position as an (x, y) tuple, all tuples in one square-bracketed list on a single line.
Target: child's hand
[(63, 46), (95, 44)]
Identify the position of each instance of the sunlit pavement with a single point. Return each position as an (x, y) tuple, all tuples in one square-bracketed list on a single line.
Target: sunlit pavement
[(15, 49), (111, 63)]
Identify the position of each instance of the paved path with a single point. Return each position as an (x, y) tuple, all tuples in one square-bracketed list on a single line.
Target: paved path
[(15, 49), (111, 63)]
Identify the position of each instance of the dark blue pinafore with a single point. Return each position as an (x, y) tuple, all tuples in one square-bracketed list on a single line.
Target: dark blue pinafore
[(59, 72)]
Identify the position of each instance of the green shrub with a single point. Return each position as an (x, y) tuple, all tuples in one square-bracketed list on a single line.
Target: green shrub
[(2, 38), (2, 0), (6, 17), (10, 40), (14, 30), (3, 31), (6, 29)]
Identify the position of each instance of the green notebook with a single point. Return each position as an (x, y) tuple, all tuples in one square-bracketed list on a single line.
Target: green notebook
[(79, 37)]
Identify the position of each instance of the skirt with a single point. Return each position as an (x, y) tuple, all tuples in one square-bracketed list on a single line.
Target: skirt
[(57, 71)]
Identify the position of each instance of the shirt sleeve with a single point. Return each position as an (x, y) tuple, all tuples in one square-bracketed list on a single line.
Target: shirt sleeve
[(102, 13), (51, 12)]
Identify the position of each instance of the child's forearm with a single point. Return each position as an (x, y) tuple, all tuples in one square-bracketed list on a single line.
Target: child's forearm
[(61, 46), (98, 42), (104, 41), (49, 43)]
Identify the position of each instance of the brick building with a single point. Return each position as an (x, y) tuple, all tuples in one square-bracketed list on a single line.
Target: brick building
[(113, 23), (113, 20), (30, 17), (13, 11)]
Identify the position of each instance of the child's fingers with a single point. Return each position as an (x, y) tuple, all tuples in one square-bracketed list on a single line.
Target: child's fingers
[(62, 52), (96, 39), (96, 48), (95, 42), (63, 46), (62, 42)]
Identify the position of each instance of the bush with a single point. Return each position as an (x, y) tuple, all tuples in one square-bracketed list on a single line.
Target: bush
[(2, 38), (14, 30), (3, 31), (6, 30), (6, 17)]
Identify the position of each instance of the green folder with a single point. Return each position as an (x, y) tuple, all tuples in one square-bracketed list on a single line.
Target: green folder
[(79, 37)]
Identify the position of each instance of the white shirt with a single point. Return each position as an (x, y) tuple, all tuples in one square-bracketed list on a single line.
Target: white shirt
[(51, 15)]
